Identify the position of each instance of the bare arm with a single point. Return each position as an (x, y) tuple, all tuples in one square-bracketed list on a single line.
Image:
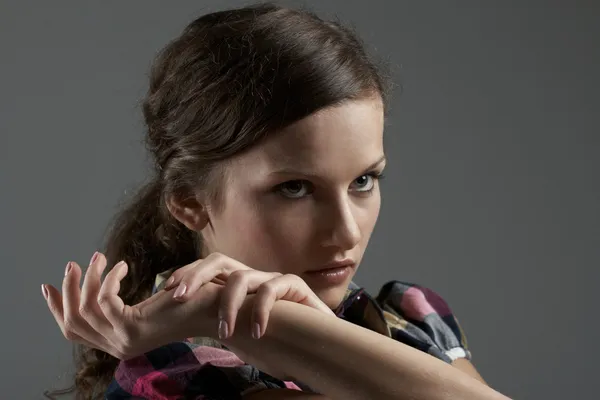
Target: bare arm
[(465, 366), (289, 394), (345, 361)]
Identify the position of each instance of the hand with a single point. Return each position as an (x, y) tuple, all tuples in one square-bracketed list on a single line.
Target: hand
[(96, 316), (241, 280)]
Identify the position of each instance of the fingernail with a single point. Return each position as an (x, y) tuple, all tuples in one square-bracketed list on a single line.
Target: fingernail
[(68, 269), (256, 331), (94, 257), (180, 290), (169, 282), (223, 329), (45, 292)]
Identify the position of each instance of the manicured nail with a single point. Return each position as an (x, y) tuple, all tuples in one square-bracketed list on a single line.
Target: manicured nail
[(223, 329), (45, 292), (169, 282), (180, 290), (94, 257), (68, 269), (256, 331)]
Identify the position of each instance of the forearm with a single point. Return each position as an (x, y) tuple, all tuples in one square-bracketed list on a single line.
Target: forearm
[(345, 361)]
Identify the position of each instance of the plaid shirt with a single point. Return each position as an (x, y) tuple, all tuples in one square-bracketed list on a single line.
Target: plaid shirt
[(202, 368)]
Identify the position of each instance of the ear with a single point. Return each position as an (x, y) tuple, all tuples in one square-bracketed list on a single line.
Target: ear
[(190, 213)]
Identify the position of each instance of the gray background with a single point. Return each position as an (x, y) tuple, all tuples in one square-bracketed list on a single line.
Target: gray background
[(492, 192)]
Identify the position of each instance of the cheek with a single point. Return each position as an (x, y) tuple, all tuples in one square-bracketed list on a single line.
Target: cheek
[(263, 239), (369, 216), (285, 233), (376, 209), (234, 230)]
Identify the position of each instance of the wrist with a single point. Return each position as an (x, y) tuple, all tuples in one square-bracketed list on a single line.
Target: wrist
[(265, 353)]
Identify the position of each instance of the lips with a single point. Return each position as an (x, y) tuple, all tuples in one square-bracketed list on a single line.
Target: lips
[(335, 265), (330, 275)]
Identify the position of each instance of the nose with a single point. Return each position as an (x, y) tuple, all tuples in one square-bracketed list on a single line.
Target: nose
[(343, 230)]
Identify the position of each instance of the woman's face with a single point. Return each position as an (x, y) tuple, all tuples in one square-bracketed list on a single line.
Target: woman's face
[(305, 197)]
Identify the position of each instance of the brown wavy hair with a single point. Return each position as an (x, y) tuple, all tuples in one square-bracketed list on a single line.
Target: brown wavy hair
[(230, 79)]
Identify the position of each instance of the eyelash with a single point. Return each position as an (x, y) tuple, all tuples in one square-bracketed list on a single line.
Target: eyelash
[(377, 176)]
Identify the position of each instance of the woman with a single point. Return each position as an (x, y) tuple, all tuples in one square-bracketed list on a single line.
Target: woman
[(235, 280)]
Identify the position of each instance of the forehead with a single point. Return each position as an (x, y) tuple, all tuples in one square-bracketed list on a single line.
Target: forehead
[(328, 141)]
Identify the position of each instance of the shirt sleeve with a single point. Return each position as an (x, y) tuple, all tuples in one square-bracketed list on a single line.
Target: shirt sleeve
[(185, 370), (420, 317)]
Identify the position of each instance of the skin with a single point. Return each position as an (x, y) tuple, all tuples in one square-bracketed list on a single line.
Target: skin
[(303, 198), (351, 362), (331, 151), (300, 199)]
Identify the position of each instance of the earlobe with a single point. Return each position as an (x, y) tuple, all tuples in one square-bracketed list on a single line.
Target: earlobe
[(191, 213)]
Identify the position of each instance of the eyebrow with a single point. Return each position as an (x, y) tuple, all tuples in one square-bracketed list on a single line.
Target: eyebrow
[(376, 163), (291, 171)]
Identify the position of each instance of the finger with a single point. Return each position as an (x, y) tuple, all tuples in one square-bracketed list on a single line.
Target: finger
[(239, 284), (230, 302), (70, 298), (293, 288), (174, 282), (108, 297), (190, 279), (219, 281), (176, 276), (286, 287), (55, 304), (88, 307), (266, 296), (215, 268)]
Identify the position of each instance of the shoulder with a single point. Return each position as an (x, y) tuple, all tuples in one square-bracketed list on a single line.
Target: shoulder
[(414, 300), (423, 314), (189, 370)]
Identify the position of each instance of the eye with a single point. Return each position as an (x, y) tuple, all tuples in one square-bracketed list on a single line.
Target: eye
[(365, 183), (298, 189), (293, 189)]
